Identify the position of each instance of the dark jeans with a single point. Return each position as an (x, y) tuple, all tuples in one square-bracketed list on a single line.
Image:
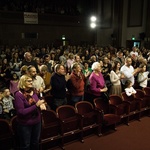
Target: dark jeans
[(29, 136), (59, 102), (76, 99)]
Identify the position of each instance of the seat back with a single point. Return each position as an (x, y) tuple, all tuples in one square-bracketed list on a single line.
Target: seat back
[(139, 93), (5, 129), (100, 104), (90, 117), (147, 90), (50, 126), (6, 135), (14, 126), (48, 117), (13, 123), (125, 97), (70, 120), (115, 99), (65, 111), (83, 107)]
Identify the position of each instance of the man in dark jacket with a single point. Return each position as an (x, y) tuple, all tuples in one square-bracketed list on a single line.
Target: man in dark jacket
[(59, 82)]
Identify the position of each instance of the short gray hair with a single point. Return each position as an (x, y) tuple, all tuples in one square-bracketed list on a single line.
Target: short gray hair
[(95, 65)]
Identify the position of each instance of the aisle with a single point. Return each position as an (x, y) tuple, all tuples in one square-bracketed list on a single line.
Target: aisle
[(136, 136)]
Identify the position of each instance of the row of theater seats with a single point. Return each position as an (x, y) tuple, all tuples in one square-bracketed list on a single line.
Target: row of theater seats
[(69, 122)]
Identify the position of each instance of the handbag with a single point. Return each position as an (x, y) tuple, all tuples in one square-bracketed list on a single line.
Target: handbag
[(105, 96)]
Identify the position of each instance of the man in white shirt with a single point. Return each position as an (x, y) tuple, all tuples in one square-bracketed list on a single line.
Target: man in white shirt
[(128, 71)]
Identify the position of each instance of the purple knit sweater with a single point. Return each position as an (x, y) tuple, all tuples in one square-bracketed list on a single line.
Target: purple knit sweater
[(96, 83), (27, 114)]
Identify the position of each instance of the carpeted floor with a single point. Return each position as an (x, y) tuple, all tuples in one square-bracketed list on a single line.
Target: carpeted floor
[(136, 136)]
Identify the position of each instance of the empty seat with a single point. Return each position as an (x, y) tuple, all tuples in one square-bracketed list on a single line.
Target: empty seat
[(90, 117), (108, 117), (145, 100), (119, 107), (50, 127), (71, 122), (135, 104)]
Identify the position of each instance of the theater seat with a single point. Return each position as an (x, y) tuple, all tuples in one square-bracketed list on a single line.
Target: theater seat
[(145, 100), (135, 104), (119, 107), (6, 135), (108, 117), (70, 122), (50, 128), (90, 117)]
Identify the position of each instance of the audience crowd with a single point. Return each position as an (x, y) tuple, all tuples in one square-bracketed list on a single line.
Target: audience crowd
[(68, 73)]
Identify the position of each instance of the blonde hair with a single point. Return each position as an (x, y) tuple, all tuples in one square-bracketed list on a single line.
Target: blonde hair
[(24, 69), (43, 67), (74, 65), (22, 81)]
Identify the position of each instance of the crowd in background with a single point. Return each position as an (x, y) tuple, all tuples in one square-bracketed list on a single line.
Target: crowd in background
[(71, 69)]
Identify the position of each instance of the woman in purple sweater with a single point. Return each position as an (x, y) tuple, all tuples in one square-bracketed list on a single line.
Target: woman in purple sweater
[(97, 82), (28, 106)]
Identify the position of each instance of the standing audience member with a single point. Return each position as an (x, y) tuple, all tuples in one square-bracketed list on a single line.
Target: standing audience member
[(97, 83), (76, 84), (47, 79), (15, 64), (24, 70), (13, 86), (69, 62), (59, 84), (128, 71), (129, 90), (63, 58), (47, 62), (52, 60), (143, 77), (38, 82), (28, 61), (5, 72), (115, 76), (28, 106), (107, 66), (87, 72), (134, 52), (120, 58), (77, 59), (38, 61)]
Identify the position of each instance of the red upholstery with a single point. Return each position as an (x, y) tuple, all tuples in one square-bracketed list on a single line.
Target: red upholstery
[(145, 100), (71, 122), (6, 135), (90, 117), (50, 127), (135, 104), (108, 117), (119, 106)]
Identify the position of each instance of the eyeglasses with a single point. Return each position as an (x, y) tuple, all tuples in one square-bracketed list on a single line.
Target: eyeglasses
[(29, 80)]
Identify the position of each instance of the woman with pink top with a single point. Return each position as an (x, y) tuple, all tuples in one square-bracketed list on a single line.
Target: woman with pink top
[(97, 86)]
